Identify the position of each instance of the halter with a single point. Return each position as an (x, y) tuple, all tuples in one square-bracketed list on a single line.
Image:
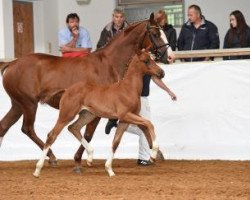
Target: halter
[(158, 54)]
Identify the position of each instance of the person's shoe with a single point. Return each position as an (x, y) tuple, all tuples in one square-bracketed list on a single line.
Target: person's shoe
[(160, 155), (144, 162), (111, 124)]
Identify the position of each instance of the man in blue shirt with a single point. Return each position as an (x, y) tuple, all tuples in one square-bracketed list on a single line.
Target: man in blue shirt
[(74, 40)]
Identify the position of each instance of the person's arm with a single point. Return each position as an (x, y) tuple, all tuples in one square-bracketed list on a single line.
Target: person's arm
[(181, 41), (172, 39), (213, 37), (103, 40), (71, 46), (66, 48), (163, 86), (226, 45)]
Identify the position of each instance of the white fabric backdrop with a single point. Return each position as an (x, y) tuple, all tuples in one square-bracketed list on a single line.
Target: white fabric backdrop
[(210, 120)]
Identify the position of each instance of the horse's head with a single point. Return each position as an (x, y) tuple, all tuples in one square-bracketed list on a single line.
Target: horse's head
[(148, 66), (156, 40)]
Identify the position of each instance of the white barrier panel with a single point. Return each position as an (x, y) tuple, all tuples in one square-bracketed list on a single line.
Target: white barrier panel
[(210, 120)]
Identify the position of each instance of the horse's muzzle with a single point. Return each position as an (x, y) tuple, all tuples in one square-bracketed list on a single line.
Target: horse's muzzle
[(160, 74)]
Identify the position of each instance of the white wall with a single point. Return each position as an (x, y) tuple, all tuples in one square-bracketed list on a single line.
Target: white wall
[(1, 31), (38, 15), (51, 26), (218, 12)]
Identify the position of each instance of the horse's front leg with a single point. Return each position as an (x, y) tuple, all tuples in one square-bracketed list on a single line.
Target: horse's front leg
[(121, 128), (92, 121)]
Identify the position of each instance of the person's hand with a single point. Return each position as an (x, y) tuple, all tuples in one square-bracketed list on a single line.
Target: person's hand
[(75, 32), (173, 96), (65, 49), (171, 56)]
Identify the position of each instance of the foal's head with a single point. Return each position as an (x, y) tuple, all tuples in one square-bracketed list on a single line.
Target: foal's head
[(148, 66)]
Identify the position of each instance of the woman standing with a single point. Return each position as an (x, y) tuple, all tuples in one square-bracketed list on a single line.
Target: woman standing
[(168, 29), (238, 36)]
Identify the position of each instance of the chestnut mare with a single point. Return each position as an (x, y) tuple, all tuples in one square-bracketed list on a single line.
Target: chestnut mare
[(35, 77), (92, 100)]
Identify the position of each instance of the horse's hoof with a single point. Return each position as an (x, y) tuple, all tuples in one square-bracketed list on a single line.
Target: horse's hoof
[(152, 160), (36, 174), (160, 155), (111, 174), (77, 170), (53, 163)]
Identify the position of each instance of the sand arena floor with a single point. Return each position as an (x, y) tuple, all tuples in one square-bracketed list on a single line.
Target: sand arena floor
[(164, 180)]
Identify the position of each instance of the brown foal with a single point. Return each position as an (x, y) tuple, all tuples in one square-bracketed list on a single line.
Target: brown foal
[(120, 100)]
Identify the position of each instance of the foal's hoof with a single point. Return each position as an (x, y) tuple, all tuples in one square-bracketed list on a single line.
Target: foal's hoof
[(77, 170), (89, 163), (53, 163), (160, 155)]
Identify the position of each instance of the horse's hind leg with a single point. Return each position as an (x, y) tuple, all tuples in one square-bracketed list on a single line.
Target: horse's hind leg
[(29, 114), (121, 128), (9, 119), (84, 118), (89, 132)]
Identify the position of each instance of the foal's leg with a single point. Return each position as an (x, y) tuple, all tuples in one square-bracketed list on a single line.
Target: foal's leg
[(29, 114), (67, 113), (121, 128), (50, 140), (85, 117), (9, 119), (141, 122), (89, 132)]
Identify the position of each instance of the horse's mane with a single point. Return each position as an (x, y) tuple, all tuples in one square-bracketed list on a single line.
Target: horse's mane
[(127, 30)]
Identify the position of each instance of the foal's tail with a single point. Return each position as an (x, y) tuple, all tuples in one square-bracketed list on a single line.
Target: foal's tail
[(3, 66)]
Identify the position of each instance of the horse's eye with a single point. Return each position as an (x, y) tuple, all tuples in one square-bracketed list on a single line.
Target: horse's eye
[(147, 62)]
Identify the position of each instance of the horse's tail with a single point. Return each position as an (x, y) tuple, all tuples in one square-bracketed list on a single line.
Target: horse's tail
[(53, 98), (3, 66)]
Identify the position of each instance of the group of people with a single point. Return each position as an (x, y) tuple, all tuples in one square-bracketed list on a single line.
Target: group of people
[(196, 34)]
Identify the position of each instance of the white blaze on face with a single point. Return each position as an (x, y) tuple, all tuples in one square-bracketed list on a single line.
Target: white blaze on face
[(170, 51), (1, 140)]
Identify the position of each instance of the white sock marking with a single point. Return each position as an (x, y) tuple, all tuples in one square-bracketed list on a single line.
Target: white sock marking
[(108, 164), (40, 163), (154, 149), (89, 150)]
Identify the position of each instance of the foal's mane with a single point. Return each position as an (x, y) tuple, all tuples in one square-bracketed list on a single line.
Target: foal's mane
[(128, 65)]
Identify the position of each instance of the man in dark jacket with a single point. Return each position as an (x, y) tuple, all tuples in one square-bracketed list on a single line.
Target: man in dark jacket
[(118, 23), (198, 33)]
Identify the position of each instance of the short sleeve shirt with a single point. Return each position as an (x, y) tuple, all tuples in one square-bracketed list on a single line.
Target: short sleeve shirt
[(83, 41)]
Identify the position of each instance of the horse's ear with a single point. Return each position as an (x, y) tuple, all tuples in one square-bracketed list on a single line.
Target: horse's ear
[(139, 52), (152, 17), (148, 49)]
